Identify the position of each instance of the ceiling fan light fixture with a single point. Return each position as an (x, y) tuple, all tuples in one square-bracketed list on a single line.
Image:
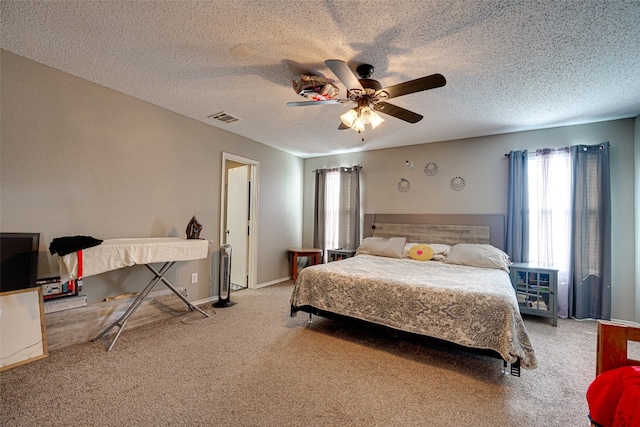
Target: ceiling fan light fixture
[(375, 119), (358, 125), (365, 114), (357, 118), (370, 117), (349, 117)]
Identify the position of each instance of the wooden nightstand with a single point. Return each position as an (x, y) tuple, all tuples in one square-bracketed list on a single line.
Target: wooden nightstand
[(536, 290), (314, 254), (338, 254)]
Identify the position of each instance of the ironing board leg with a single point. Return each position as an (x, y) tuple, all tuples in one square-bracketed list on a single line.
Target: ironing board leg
[(159, 275), (175, 291)]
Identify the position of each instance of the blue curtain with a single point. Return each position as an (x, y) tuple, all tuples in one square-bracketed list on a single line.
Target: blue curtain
[(518, 207), (590, 275)]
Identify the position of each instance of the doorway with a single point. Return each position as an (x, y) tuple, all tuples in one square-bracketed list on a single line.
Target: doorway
[(239, 217)]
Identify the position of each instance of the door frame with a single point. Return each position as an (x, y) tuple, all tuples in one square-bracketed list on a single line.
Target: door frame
[(237, 217), (254, 173)]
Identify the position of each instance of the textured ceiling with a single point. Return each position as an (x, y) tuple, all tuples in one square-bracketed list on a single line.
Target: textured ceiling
[(510, 65)]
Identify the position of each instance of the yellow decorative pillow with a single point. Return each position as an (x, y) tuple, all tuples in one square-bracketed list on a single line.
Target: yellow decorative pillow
[(421, 252)]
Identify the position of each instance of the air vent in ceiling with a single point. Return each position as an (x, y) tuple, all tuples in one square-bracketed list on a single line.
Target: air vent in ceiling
[(224, 117)]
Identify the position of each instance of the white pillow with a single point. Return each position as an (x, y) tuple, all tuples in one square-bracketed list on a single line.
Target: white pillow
[(440, 251), (391, 248), (478, 255)]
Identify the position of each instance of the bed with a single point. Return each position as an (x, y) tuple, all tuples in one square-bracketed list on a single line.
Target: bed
[(614, 396), (466, 305)]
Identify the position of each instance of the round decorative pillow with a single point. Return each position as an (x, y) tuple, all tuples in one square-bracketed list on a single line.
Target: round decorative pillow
[(421, 252)]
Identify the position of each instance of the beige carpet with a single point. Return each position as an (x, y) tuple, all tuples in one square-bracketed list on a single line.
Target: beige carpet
[(253, 365)]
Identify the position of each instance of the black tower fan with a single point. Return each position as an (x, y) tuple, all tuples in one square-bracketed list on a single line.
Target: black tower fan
[(224, 285)]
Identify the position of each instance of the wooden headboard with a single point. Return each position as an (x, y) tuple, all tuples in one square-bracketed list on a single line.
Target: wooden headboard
[(436, 228)]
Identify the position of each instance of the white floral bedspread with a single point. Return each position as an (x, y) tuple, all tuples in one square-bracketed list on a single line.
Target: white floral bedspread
[(473, 307)]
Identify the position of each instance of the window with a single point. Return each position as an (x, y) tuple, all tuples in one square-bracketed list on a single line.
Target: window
[(332, 210), (550, 209), (337, 208)]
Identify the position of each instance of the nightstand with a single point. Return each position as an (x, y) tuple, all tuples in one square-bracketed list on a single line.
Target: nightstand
[(314, 255), (536, 289), (338, 254)]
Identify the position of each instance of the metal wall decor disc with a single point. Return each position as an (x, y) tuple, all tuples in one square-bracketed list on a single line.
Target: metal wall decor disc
[(457, 183), (431, 169), (404, 185)]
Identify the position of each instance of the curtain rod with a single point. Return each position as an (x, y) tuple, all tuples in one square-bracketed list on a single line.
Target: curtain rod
[(338, 168), (601, 146)]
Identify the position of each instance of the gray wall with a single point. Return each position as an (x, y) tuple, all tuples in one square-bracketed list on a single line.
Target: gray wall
[(80, 159), (481, 162)]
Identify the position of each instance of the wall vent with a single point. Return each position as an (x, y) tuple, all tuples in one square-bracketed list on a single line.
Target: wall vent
[(224, 117)]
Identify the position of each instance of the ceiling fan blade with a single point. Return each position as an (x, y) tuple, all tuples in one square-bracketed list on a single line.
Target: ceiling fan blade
[(345, 75), (397, 112), (343, 126), (423, 83), (306, 103)]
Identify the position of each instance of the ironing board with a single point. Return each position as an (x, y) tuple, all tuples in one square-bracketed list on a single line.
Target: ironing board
[(119, 253)]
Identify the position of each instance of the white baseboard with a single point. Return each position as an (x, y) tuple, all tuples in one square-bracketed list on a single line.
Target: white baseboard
[(205, 301), (66, 303), (272, 282), (618, 321), (215, 298), (626, 322)]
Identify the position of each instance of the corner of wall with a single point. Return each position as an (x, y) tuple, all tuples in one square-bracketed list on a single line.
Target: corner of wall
[(636, 148)]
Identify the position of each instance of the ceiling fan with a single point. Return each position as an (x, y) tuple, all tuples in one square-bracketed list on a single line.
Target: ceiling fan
[(370, 96)]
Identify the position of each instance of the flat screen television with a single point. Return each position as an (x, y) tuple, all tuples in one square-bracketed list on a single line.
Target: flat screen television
[(19, 256)]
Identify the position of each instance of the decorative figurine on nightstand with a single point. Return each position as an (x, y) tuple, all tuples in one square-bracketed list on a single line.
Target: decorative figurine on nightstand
[(193, 229)]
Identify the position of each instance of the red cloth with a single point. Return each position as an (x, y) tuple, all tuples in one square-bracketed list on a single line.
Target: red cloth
[(614, 398)]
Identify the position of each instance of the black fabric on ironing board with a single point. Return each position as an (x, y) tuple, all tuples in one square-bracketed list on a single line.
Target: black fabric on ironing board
[(68, 244)]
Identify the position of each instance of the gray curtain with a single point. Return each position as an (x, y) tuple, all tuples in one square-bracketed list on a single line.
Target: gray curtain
[(319, 209), (518, 207), (590, 277)]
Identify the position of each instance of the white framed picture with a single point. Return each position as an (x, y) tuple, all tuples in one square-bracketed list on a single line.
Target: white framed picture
[(23, 335)]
